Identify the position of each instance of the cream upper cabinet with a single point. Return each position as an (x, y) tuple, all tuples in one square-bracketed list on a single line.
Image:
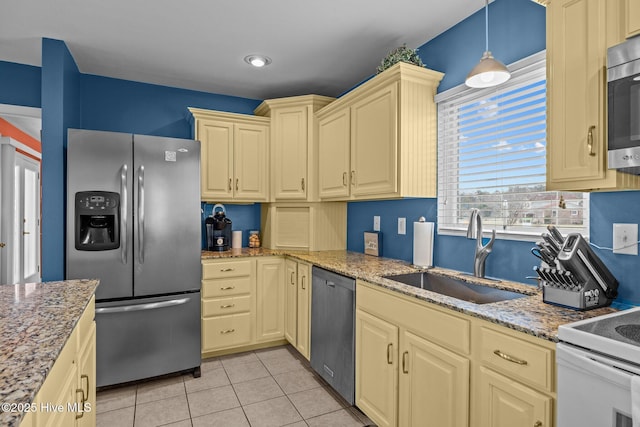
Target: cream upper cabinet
[(233, 152), (577, 39), (632, 17), (293, 145), (374, 143), (334, 157), (379, 140)]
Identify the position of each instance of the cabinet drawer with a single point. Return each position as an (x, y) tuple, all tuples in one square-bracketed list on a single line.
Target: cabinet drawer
[(222, 306), (226, 287), (517, 358), (222, 269), (434, 324), (226, 331)]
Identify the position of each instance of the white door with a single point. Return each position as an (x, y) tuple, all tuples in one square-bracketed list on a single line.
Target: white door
[(27, 220), (21, 218)]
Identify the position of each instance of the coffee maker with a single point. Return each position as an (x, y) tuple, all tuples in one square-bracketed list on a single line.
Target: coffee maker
[(218, 230), (97, 220)]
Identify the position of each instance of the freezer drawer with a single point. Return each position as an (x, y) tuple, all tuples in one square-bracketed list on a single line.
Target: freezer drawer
[(143, 338)]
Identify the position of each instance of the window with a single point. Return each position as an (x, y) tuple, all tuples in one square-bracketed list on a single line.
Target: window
[(492, 156)]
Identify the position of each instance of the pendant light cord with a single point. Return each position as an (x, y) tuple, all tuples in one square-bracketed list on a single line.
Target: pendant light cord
[(486, 25)]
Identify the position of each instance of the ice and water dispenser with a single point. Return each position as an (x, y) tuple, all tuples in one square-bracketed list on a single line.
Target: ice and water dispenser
[(97, 220)]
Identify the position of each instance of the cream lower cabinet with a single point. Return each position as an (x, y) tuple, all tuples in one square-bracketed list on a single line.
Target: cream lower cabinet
[(506, 403), (419, 364), (298, 305), (242, 304), (68, 396), (403, 377), (270, 299)]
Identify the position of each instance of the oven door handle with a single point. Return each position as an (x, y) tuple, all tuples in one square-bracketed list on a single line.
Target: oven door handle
[(595, 367)]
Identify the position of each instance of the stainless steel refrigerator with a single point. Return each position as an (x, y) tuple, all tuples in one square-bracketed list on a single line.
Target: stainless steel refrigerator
[(133, 221)]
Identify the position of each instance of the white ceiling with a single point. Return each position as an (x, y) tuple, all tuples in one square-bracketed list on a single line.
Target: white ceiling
[(324, 47)]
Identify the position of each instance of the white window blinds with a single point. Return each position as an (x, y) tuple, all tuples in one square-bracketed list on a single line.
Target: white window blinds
[(492, 156)]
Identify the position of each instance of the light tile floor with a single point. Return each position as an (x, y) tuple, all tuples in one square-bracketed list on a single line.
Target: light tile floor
[(263, 388)]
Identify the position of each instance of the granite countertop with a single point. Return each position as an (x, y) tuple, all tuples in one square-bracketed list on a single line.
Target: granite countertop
[(36, 319), (528, 314)]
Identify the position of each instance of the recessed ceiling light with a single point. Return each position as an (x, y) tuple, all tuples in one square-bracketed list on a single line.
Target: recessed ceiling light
[(257, 60)]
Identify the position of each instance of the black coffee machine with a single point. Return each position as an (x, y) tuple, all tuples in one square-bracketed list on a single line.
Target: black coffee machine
[(218, 230)]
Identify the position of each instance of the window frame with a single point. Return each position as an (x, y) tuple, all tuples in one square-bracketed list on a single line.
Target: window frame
[(531, 63)]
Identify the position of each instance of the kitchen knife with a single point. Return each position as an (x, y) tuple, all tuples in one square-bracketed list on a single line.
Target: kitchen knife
[(552, 242), (555, 233)]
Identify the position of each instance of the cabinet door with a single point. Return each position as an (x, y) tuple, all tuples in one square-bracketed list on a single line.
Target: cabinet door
[(334, 164), (377, 368), (291, 304), (304, 309), (270, 298), (374, 139), (87, 378), (216, 159), (506, 403), (576, 56), (632, 17), (434, 385), (250, 162), (290, 141)]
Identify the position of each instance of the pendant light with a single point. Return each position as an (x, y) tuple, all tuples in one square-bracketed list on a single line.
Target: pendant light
[(489, 71)]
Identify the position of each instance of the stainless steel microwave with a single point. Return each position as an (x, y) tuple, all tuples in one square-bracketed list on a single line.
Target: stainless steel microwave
[(623, 115)]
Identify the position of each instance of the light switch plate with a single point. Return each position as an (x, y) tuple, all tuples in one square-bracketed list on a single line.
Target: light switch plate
[(625, 238), (402, 225), (376, 223)]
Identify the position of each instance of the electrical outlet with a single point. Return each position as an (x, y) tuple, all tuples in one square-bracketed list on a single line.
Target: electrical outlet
[(376, 223), (402, 225), (625, 239)]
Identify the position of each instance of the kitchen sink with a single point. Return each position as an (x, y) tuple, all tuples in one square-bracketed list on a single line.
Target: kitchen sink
[(456, 288)]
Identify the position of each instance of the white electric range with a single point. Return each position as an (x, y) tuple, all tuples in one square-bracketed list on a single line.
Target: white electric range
[(598, 363)]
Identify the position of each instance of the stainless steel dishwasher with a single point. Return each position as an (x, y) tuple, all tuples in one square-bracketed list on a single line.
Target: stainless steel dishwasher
[(333, 330)]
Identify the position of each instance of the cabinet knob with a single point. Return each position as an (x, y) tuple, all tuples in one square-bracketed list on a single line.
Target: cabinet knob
[(237, 183), (303, 280), (590, 140), (538, 424), (302, 184), (2, 244), (230, 184), (293, 279), (353, 177), (344, 179), (227, 331), (389, 353), (404, 362)]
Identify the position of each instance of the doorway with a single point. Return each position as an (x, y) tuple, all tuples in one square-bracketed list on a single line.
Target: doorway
[(20, 198)]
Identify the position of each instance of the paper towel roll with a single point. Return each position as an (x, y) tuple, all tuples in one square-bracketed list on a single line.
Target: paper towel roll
[(236, 239), (423, 244)]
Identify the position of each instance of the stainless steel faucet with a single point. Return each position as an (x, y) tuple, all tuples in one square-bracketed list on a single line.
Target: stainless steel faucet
[(474, 231)]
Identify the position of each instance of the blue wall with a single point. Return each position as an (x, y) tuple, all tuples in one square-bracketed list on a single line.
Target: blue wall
[(20, 84), (125, 106), (243, 217), (60, 111)]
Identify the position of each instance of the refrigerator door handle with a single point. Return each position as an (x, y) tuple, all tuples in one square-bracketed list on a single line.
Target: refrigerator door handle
[(140, 307), (141, 214), (123, 212)]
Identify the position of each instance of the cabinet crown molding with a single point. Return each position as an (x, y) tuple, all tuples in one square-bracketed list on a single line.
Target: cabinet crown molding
[(315, 101)]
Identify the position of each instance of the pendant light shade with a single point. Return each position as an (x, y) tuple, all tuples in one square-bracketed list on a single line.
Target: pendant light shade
[(489, 71)]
